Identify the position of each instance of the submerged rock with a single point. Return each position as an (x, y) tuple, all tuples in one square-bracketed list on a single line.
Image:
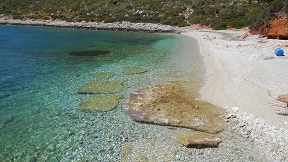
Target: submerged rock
[(104, 87), (99, 103), (174, 104), (191, 138), (89, 53), (134, 70), (103, 75)]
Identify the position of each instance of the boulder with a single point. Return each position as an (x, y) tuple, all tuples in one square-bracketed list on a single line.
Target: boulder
[(174, 104), (103, 87), (191, 138), (283, 98)]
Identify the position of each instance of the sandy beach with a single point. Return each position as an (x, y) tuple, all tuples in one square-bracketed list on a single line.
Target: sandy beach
[(244, 76)]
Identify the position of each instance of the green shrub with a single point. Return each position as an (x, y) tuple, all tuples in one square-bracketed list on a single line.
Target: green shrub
[(219, 25), (46, 18), (17, 16)]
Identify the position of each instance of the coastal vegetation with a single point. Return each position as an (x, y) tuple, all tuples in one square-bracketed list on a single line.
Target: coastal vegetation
[(217, 14)]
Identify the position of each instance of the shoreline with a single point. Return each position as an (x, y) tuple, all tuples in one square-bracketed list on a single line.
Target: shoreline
[(116, 26), (242, 78)]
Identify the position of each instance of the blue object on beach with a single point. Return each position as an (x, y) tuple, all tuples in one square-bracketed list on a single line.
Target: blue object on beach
[(279, 52)]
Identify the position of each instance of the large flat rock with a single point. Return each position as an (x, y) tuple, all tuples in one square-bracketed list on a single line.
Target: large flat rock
[(174, 104)]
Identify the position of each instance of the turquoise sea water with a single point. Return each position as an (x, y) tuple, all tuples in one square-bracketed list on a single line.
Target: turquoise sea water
[(39, 119)]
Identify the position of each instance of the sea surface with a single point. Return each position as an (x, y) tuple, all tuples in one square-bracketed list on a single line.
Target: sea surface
[(39, 115), (40, 119)]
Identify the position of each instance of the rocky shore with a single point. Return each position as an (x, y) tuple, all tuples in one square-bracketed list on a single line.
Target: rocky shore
[(116, 26)]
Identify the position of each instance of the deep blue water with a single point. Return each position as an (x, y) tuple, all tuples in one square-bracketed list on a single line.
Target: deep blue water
[(39, 119)]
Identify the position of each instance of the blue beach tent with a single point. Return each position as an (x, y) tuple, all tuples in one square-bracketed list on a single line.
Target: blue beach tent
[(279, 52)]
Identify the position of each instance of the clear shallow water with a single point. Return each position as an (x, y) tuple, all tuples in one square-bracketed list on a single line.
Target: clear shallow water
[(39, 115), (39, 119)]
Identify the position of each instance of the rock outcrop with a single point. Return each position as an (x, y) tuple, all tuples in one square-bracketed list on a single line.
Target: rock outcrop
[(174, 104), (278, 29)]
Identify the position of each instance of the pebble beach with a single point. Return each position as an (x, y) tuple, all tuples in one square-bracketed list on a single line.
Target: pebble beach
[(243, 76)]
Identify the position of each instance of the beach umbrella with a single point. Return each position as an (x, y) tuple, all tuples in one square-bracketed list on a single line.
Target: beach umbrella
[(279, 52)]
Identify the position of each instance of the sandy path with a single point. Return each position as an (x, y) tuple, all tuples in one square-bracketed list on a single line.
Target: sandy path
[(243, 73)]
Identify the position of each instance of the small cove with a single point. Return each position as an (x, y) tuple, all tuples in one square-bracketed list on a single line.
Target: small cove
[(40, 119)]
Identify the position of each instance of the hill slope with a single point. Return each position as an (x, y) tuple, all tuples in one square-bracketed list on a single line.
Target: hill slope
[(215, 13)]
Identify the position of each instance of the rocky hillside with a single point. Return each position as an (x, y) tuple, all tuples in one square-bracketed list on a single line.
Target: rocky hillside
[(214, 13)]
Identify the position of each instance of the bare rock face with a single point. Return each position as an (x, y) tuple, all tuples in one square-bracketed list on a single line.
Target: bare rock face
[(174, 104), (278, 29)]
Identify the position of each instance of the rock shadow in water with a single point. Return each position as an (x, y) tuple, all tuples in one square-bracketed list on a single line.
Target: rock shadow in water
[(89, 53)]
